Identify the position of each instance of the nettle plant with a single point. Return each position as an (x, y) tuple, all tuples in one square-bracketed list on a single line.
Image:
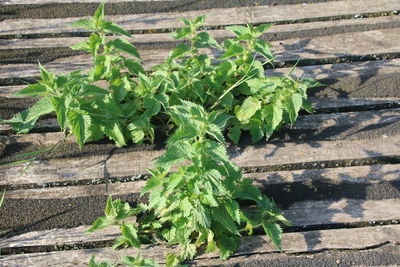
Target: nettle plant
[(194, 189)]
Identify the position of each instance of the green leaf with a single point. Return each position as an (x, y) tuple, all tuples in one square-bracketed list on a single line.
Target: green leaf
[(99, 14), (80, 125), (274, 231), (227, 245), (203, 39), (238, 30), (249, 107), (33, 90), (233, 50), (233, 209), (138, 261), (2, 198), (176, 153), (87, 24), (273, 115), (133, 66), (262, 28), (180, 51), (151, 183), (172, 260), (90, 89), (201, 215), (263, 48), (110, 27), (220, 215), (234, 134), (125, 46), (42, 107), (130, 233), (101, 223), (293, 106), (93, 263), (110, 210), (60, 105), (115, 132), (188, 251)]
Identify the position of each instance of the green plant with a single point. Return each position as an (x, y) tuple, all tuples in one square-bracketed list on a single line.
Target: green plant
[(194, 190)]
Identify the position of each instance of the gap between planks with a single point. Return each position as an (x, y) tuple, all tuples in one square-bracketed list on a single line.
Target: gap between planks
[(302, 242), (216, 17), (251, 157), (332, 47)]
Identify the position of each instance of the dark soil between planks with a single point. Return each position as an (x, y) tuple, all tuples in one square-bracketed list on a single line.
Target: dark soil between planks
[(24, 215), (64, 10)]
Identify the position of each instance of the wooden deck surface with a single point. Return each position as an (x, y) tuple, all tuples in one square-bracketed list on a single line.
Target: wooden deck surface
[(335, 174)]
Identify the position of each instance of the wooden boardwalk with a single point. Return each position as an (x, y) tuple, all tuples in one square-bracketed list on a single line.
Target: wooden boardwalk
[(335, 174)]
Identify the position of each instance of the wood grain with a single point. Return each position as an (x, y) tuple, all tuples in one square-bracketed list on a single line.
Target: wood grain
[(226, 16), (302, 242)]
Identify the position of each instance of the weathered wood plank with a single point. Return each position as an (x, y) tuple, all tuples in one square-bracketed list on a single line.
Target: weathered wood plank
[(151, 38), (325, 47), (227, 16), (312, 241), (306, 213), (354, 175), (136, 163)]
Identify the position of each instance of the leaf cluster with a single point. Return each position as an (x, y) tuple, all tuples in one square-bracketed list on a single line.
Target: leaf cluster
[(194, 190)]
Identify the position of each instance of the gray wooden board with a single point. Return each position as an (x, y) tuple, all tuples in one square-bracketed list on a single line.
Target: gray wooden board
[(301, 242), (227, 16), (301, 214), (150, 38), (137, 162), (374, 42), (363, 175), (320, 122)]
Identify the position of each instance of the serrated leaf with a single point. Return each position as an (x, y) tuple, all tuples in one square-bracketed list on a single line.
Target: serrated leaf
[(60, 105), (99, 13), (171, 260), (262, 28), (249, 107), (203, 39), (274, 231), (273, 115), (130, 233), (180, 51), (188, 251), (201, 216), (238, 30), (234, 134), (87, 24), (101, 223), (293, 106), (233, 209), (133, 66), (176, 153), (125, 46), (110, 210), (227, 245), (110, 27), (115, 132), (151, 183), (33, 90), (220, 214), (80, 125), (93, 263)]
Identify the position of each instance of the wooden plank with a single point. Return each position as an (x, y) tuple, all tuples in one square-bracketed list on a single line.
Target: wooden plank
[(302, 242), (322, 26), (266, 156), (227, 16), (325, 47), (352, 175), (301, 214), (319, 122)]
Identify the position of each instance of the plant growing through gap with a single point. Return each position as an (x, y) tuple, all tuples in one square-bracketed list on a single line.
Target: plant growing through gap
[(194, 190)]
